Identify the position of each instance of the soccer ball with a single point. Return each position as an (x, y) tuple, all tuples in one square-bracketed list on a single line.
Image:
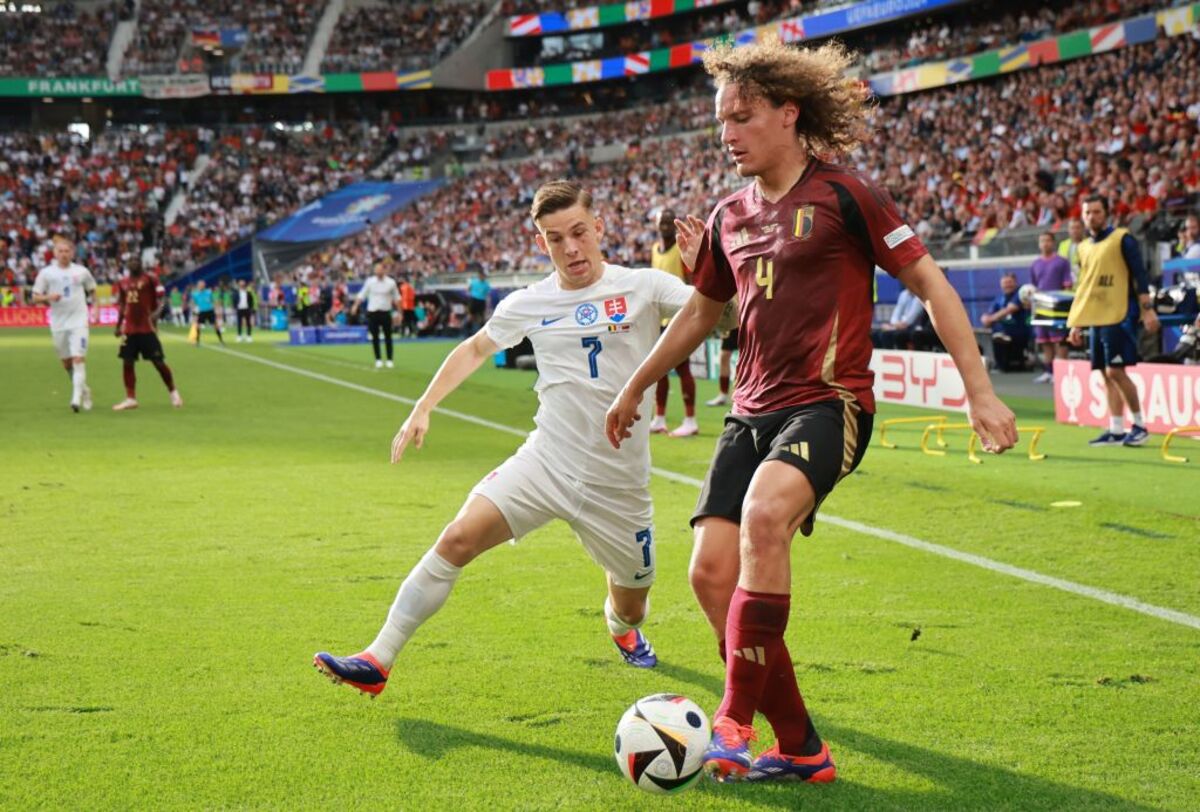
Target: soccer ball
[(1025, 292), (661, 741)]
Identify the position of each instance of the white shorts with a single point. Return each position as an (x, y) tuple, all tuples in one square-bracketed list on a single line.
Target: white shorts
[(615, 525), (71, 343)]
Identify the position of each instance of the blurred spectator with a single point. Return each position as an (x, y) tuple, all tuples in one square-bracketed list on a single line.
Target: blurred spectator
[(400, 35), (1010, 326), (62, 40)]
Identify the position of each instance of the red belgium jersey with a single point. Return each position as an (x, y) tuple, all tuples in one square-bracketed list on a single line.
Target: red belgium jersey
[(803, 269), (138, 297)]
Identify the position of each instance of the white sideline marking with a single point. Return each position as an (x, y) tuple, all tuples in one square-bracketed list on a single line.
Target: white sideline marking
[(1102, 595)]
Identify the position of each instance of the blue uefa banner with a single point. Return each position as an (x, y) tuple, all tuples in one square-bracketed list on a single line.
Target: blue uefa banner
[(346, 212), (862, 15)]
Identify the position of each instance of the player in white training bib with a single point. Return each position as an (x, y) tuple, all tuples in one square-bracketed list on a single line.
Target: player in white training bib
[(591, 325), (65, 286)]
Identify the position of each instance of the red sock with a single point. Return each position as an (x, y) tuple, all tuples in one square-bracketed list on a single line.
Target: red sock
[(784, 707), (164, 372), (754, 633), (130, 382), (687, 382), (661, 390), (723, 382)]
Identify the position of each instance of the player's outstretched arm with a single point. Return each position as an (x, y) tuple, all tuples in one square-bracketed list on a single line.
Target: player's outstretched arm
[(467, 357), (993, 421), (689, 327)]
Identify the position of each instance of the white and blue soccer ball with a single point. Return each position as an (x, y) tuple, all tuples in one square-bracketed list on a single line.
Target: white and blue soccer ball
[(660, 743)]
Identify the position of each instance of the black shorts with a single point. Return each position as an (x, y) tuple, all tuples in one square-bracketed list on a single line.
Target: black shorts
[(206, 317), (145, 345), (825, 441), (729, 342), (476, 307)]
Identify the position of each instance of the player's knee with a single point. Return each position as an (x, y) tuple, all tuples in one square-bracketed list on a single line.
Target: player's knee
[(457, 545), (763, 526), (711, 580), (1114, 373)]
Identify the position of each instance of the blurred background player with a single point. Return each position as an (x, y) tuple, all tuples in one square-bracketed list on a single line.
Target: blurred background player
[(65, 286), (205, 312), (1113, 288), (664, 255), (140, 300), (1050, 271), (798, 246), (382, 296), (478, 290), (729, 343), (408, 309), (565, 470), (245, 303), (176, 299)]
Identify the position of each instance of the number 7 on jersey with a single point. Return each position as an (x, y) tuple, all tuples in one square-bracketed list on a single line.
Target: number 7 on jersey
[(594, 348)]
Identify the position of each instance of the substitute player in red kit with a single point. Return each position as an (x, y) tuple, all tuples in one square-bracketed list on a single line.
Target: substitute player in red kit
[(140, 300), (798, 247)]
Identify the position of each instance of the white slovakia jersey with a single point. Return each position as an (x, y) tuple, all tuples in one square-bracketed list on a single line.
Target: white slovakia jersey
[(73, 283), (588, 342)]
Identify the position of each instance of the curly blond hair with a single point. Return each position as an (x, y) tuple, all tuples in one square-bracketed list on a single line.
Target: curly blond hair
[(833, 107)]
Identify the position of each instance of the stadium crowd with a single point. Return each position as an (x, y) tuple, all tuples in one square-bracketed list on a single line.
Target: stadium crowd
[(257, 175), (63, 40), (506, 141), (110, 194), (277, 33), (1123, 123), (980, 26), (400, 35), (663, 32)]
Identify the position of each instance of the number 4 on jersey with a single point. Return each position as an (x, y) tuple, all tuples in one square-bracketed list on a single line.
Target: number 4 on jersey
[(764, 275)]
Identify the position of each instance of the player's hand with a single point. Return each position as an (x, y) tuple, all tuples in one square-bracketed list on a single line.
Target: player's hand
[(413, 431), (1075, 337), (1150, 321), (688, 234), (994, 422), (117, 331), (53, 297), (621, 415)]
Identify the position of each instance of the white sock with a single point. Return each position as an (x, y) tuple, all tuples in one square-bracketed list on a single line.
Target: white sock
[(1138, 420), (421, 595), (618, 627), (78, 380), (1116, 425)]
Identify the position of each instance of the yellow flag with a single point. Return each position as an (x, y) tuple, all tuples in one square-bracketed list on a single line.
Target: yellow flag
[(194, 334)]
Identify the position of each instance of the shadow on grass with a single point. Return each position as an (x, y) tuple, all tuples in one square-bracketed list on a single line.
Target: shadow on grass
[(959, 783)]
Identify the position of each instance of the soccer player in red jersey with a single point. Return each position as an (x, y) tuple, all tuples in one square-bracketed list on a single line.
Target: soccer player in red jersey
[(798, 247), (140, 300)]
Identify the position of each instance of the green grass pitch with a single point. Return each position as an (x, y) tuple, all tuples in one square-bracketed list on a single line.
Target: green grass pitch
[(165, 577)]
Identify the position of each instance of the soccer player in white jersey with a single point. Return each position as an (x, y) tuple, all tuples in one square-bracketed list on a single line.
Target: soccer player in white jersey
[(65, 286), (591, 324)]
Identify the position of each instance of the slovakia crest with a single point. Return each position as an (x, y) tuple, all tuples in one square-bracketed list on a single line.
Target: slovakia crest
[(616, 308), (586, 314)]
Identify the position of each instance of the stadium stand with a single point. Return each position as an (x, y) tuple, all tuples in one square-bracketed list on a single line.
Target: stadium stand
[(110, 194), (277, 31), (257, 175), (978, 26), (66, 39), (399, 35)]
